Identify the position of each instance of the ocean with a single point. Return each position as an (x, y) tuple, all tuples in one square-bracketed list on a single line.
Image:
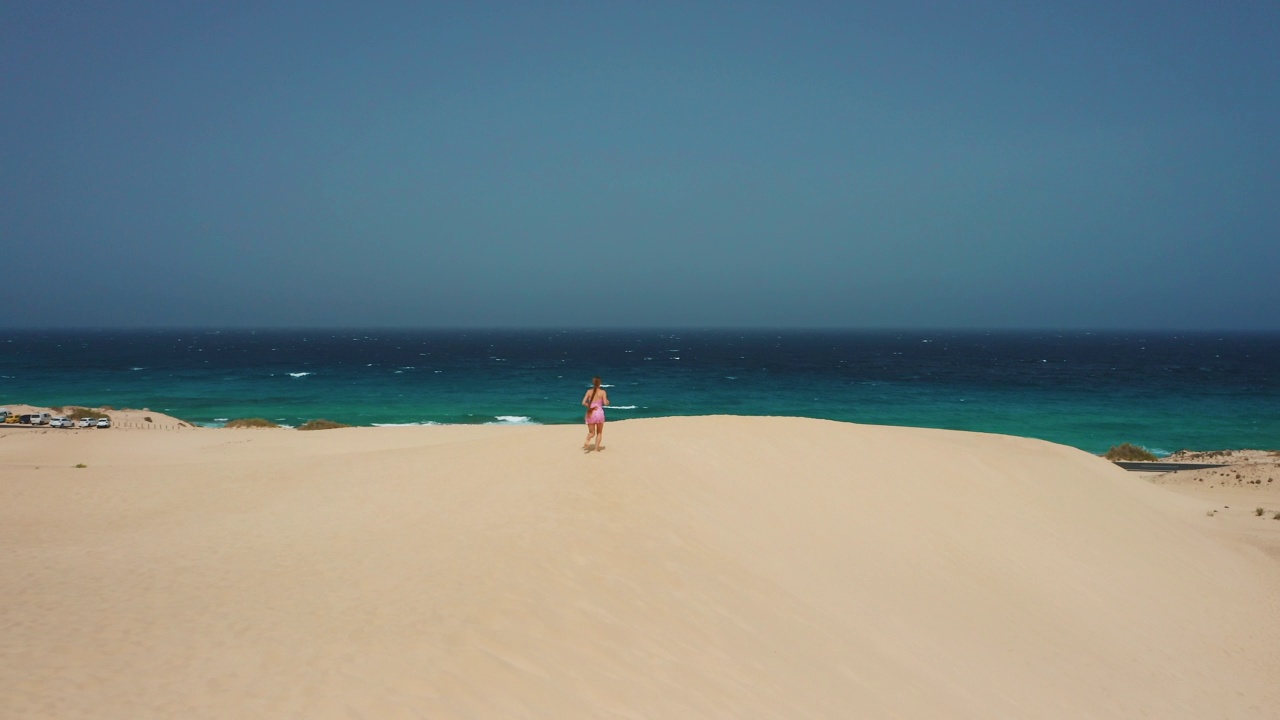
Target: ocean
[(1091, 390)]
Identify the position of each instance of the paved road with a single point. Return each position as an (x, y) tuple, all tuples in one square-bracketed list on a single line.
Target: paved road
[(1164, 467)]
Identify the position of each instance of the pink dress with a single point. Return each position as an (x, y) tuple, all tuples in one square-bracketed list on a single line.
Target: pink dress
[(595, 413)]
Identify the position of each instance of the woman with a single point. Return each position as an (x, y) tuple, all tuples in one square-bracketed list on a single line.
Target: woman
[(594, 401)]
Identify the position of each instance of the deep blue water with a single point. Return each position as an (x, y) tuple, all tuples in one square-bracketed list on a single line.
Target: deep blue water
[(1090, 390)]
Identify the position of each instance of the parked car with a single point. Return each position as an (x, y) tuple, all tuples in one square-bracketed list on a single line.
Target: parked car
[(61, 421), (4, 414), (25, 419), (13, 419), (86, 422), (41, 418), (104, 422)]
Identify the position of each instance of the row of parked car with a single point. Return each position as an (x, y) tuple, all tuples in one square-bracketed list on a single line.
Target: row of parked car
[(58, 421), (66, 422)]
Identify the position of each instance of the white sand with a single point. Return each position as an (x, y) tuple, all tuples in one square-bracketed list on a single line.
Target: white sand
[(699, 567)]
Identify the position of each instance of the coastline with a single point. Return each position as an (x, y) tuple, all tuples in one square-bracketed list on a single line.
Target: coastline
[(1163, 391), (147, 419), (720, 565)]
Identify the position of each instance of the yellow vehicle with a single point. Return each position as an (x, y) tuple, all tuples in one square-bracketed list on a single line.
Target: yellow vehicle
[(12, 419)]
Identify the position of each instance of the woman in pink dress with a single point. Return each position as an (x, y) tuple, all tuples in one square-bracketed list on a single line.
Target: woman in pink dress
[(594, 401)]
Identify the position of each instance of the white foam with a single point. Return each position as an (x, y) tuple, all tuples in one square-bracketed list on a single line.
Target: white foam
[(137, 368), (412, 424), (512, 420), (622, 407), (301, 374)]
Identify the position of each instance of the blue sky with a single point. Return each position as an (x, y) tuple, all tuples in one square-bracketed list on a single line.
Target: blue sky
[(977, 165)]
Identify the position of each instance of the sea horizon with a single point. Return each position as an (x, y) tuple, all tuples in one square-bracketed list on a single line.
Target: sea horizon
[(1162, 389)]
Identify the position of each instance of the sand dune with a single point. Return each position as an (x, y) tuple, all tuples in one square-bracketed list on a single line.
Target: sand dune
[(123, 419), (697, 568)]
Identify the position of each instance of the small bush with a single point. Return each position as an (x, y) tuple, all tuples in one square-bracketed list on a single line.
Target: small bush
[(147, 418), (1259, 512), (321, 424), (80, 413), (1276, 516), (81, 465), (1129, 453), (251, 423)]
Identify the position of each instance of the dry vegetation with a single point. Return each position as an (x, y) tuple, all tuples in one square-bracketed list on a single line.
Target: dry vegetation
[(79, 413), (1221, 456), (1128, 452), (321, 424), (251, 423)]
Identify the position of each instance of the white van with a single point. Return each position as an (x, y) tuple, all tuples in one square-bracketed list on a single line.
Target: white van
[(4, 414), (41, 418)]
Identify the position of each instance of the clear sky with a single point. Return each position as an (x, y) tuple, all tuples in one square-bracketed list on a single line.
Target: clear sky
[(1019, 164)]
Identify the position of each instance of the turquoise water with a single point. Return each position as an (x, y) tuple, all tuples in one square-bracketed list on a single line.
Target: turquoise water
[(1090, 390)]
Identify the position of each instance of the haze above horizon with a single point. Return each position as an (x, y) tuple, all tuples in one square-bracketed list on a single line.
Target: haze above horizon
[(1001, 165)]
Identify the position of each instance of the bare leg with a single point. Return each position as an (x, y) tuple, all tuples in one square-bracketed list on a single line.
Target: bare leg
[(600, 437), (591, 431)]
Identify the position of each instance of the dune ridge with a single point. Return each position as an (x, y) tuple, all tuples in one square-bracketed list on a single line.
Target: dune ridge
[(698, 567)]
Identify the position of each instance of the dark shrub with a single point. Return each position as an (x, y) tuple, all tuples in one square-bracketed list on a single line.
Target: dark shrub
[(251, 423), (1129, 453), (321, 424)]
